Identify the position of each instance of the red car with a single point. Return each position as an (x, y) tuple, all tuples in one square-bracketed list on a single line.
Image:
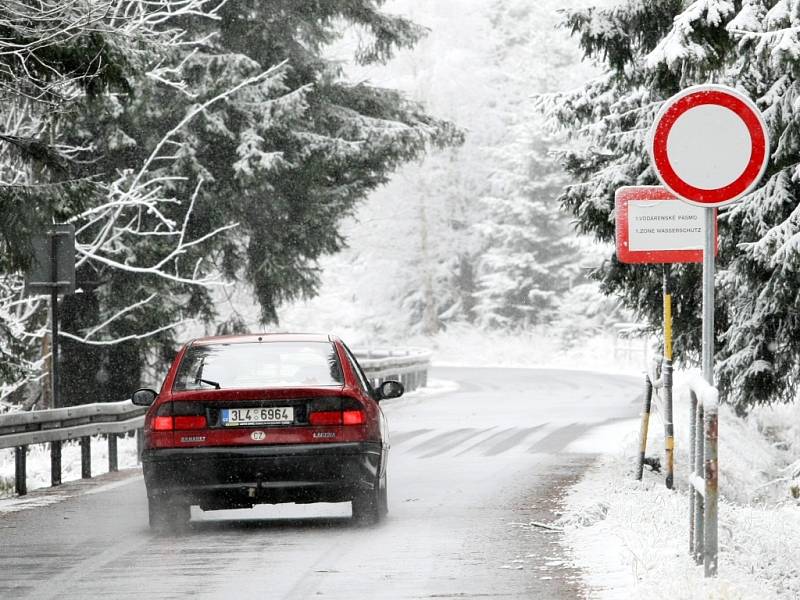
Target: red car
[(270, 418)]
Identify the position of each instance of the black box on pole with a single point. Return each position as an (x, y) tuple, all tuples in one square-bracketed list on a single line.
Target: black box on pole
[(56, 245)]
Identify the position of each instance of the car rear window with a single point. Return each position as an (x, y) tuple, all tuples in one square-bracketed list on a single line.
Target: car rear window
[(261, 364)]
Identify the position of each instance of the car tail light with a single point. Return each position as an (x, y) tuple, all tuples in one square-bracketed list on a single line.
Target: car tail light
[(328, 417), (337, 417), (163, 424), (335, 411), (353, 417), (173, 416), (190, 422)]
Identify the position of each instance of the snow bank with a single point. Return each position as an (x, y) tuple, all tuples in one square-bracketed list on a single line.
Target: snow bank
[(631, 538)]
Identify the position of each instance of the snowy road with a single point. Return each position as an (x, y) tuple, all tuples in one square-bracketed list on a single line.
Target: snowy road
[(469, 469)]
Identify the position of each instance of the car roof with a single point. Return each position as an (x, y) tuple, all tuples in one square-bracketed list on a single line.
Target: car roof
[(253, 338)]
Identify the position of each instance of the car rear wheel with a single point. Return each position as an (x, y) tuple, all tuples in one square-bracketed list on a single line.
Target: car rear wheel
[(168, 515), (371, 506)]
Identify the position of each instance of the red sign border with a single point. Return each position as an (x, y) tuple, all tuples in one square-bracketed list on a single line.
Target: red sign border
[(621, 199), (721, 96)]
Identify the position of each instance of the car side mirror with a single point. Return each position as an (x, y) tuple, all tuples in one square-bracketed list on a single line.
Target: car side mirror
[(144, 397), (390, 389)]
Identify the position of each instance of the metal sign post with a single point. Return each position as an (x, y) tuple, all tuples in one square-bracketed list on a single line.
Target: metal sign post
[(53, 272), (709, 146), (654, 226), (708, 297), (54, 320), (666, 375)]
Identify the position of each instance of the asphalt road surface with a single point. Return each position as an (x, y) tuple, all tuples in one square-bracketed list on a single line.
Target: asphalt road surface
[(470, 469)]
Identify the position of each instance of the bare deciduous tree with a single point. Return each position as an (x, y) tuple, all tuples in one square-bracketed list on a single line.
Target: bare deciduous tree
[(38, 87)]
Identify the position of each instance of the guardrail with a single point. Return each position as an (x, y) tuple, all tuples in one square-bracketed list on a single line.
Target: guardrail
[(21, 429), (704, 480), (408, 366), (630, 342), (54, 426), (703, 457)]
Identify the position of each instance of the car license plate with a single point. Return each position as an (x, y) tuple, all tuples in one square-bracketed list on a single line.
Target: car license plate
[(238, 417)]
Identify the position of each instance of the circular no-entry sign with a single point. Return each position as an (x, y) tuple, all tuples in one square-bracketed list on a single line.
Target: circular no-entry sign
[(709, 144)]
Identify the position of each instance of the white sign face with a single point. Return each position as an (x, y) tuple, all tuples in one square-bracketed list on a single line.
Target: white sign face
[(709, 146), (664, 225)]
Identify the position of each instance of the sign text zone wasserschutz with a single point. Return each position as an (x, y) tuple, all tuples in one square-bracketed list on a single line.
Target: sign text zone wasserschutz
[(654, 226)]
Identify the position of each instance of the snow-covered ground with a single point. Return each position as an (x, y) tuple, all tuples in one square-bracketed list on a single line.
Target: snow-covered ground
[(631, 538), (628, 538), (539, 348)]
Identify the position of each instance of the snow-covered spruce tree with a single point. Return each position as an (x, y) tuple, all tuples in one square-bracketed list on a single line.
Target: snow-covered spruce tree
[(423, 219), (527, 258), (651, 49), (259, 130)]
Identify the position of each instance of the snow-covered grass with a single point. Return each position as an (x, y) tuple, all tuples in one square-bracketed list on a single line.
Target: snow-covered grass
[(631, 538), (38, 463)]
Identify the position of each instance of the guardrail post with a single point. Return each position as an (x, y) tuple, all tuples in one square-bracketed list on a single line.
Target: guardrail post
[(86, 457), (699, 502), (648, 398), (711, 499), (112, 453), (20, 470), (704, 479), (55, 463)]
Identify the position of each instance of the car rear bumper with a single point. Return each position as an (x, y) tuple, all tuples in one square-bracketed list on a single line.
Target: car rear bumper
[(220, 477)]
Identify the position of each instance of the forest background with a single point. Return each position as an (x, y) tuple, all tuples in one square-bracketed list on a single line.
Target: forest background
[(216, 156)]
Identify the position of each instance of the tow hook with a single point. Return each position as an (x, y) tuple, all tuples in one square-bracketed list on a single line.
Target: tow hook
[(252, 491)]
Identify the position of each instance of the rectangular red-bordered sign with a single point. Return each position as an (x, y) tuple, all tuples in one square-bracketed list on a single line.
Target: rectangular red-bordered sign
[(655, 226)]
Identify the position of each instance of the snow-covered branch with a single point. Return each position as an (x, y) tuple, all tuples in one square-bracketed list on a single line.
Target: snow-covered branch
[(127, 338), (123, 27)]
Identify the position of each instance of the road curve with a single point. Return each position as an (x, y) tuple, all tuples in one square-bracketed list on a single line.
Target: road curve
[(469, 469)]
